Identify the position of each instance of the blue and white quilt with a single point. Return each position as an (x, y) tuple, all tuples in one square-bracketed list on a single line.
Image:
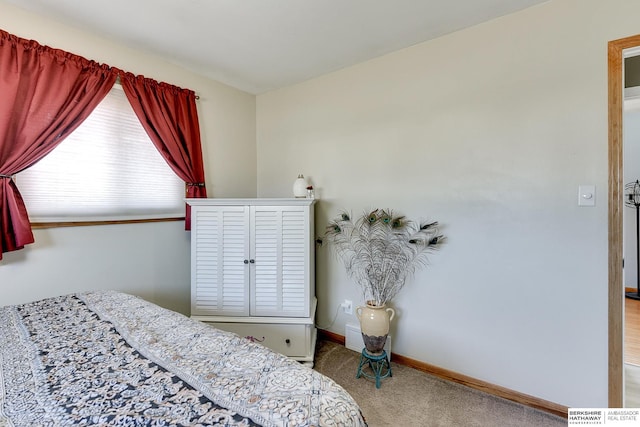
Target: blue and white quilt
[(111, 359)]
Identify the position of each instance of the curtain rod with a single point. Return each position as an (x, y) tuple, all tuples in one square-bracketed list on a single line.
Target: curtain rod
[(120, 83)]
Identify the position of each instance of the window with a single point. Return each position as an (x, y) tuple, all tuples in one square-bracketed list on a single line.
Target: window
[(108, 169)]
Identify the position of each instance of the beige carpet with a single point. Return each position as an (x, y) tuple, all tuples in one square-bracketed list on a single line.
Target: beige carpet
[(414, 399)]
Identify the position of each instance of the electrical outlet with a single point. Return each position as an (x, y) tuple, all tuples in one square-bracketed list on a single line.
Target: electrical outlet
[(347, 306)]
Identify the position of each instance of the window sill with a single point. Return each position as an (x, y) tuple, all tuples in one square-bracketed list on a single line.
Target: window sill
[(38, 225)]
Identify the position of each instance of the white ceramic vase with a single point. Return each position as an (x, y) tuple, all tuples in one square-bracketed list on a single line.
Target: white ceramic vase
[(374, 324)]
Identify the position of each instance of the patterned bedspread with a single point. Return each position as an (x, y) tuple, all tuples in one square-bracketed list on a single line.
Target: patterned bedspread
[(109, 358)]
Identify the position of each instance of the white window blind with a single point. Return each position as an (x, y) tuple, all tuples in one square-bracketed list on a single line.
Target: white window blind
[(108, 169)]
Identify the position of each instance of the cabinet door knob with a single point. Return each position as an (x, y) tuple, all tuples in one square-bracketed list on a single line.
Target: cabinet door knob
[(252, 261), (288, 341), (246, 261)]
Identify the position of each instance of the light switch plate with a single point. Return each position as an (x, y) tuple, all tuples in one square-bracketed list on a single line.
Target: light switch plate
[(586, 195)]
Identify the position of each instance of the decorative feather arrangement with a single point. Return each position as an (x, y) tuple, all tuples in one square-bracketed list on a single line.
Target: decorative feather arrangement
[(381, 250)]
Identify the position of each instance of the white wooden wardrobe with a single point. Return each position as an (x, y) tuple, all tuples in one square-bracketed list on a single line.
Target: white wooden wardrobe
[(252, 270)]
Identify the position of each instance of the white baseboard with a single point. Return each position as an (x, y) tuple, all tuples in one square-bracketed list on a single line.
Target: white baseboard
[(353, 339)]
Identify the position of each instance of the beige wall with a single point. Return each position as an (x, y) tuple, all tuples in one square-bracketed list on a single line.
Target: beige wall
[(490, 131), (151, 260)]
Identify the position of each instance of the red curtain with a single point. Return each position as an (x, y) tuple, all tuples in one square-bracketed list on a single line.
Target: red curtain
[(45, 94), (169, 116)]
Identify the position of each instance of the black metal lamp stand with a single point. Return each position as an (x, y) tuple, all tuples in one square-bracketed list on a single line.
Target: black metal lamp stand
[(632, 191)]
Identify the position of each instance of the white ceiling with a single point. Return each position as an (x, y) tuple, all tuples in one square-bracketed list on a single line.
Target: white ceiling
[(260, 45)]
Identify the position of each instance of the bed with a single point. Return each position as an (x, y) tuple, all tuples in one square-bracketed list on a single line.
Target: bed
[(110, 358)]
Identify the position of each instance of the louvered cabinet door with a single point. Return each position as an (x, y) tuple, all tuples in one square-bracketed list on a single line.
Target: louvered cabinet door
[(220, 260), (253, 270), (280, 248)]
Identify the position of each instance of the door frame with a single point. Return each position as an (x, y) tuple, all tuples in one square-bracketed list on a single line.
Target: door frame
[(616, 294)]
